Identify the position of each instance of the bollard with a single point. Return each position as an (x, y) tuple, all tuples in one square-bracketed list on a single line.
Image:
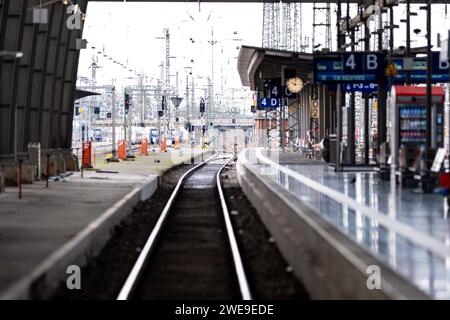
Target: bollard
[(163, 145), (94, 156), (48, 171), (20, 178), (177, 143), (121, 150), (144, 147), (192, 152)]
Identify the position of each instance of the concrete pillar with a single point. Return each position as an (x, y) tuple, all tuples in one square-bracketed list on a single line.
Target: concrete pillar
[(52, 166), (60, 163), (71, 162), (28, 173), (11, 174)]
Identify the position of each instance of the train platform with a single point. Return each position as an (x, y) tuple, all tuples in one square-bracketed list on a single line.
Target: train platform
[(336, 229), (52, 228), (154, 163)]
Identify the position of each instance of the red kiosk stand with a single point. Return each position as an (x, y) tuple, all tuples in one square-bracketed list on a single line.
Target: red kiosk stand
[(87, 154), (409, 127)]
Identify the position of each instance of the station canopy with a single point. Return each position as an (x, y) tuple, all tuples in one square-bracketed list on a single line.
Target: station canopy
[(362, 2), (258, 64), (80, 93)]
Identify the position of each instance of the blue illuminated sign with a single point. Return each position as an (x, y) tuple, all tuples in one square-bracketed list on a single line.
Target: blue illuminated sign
[(327, 69), (268, 103), (419, 70), (358, 71), (351, 67), (360, 87), (363, 64)]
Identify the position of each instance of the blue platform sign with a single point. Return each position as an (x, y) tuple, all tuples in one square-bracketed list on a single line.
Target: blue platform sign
[(327, 69), (278, 92), (419, 69), (362, 66), (350, 67), (268, 103), (360, 87), (275, 91)]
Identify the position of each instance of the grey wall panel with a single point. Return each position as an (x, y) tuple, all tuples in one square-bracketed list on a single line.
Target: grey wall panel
[(41, 51), (29, 48), (53, 38), (58, 30), (65, 103), (2, 12), (6, 70), (57, 102), (12, 41), (32, 128), (40, 85)]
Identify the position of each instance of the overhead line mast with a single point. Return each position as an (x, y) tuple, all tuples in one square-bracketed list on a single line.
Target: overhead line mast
[(167, 86), (282, 26)]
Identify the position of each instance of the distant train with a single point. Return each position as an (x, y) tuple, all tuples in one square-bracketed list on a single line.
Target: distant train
[(154, 138), (98, 135), (138, 133), (181, 134)]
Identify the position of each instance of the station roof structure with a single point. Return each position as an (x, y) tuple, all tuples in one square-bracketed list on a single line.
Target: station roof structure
[(255, 64), (80, 93), (365, 2)]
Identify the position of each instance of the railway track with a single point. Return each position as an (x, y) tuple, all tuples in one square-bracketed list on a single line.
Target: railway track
[(192, 252)]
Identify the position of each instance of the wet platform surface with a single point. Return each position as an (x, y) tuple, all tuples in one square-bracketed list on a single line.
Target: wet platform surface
[(427, 214)]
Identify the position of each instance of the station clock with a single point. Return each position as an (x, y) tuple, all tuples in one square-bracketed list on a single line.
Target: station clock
[(295, 85)]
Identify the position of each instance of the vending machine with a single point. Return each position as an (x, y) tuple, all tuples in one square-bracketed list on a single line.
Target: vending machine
[(409, 126)]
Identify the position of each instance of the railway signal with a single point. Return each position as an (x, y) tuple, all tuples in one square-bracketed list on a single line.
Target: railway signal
[(163, 103), (77, 108), (127, 102), (202, 105)]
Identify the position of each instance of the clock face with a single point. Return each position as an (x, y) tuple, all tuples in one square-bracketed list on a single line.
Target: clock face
[(295, 85)]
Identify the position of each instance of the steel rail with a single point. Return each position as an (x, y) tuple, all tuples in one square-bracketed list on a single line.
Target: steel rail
[(133, 277), (238, 265)]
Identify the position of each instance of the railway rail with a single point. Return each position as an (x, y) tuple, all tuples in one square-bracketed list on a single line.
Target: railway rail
[(192, 252)]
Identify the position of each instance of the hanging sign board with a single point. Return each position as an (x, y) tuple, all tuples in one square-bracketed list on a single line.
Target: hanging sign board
[(418, 67), (314, 109), (349, 67), (268, 103), (368, 87), (279, 91)]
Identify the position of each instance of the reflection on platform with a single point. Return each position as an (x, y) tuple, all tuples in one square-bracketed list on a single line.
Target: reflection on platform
[(426, 213)]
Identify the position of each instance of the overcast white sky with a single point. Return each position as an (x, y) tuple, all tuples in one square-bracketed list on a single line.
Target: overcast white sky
[(128, 32)]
